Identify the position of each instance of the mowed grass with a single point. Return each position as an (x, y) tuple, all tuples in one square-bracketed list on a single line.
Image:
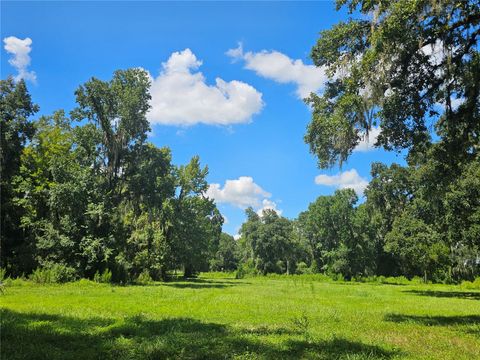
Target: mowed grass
[(254, 318)]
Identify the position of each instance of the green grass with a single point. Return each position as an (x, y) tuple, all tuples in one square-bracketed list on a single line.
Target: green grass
[(254, 318)]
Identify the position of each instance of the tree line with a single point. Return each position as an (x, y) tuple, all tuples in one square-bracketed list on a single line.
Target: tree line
[(84, 193), (410, 68)]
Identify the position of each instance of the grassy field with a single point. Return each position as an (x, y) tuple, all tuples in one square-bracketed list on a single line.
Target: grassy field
[(254, 318)]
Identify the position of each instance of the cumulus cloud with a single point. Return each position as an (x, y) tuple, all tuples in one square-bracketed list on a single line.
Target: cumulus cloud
[(181, 96), (241, 192), (347, 179), (367, 142), (20, 60), (279, 67), (270, 205)]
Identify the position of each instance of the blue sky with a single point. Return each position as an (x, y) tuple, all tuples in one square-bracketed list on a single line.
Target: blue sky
[(248, 126)]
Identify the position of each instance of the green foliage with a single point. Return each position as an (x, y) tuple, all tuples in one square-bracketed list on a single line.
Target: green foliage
[(411, 68), (226, 256), (104, 277), (337, 235), (3, 272), (96, 196), (417, 246), (390, 65), (53, 274), (268, 242), (246, 269), (302, 268), (475, 284), (16, 130), (144, 278)]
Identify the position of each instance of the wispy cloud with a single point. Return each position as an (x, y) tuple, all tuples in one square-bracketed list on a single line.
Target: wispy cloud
[(280, 68)]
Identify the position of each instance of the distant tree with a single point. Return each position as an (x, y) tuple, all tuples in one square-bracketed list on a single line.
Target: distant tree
[(249, 232), (340, 236), (462, 222), (388, 193), (226, 255), (274, 251), (417, 245), (196, 220), (267, 242)]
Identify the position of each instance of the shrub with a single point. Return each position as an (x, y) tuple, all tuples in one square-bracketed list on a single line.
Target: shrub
[(41, 276), (54, 273), (144, 278), (3, 272), (302, 268), (472, 285), (248, 268), (61, 273), (105, 277)]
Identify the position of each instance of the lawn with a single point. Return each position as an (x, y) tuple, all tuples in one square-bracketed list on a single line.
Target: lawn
[(253, 318)]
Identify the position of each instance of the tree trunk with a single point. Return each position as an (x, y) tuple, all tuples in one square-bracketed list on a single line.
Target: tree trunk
[(189, 271)]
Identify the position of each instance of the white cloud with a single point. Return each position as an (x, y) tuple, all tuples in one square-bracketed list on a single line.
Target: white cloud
[(279, 67), (20, 49), (268, 204), (367, 142), (237, 236), (242, 192), (347, 179), (180, 96)]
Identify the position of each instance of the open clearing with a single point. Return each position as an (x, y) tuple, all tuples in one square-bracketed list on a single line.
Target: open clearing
[(254, 318)]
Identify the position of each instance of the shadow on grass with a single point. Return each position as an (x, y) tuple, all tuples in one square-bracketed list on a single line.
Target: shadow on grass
[(448, 294), (42, 336), (467, 323), (195, 283), (435, 320)]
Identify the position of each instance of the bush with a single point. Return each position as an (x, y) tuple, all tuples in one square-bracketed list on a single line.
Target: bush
[(41, 276), (105, 277), (247, 268), (302, 268), (3, 272), (472, 285), (144, 278), (55, 273)]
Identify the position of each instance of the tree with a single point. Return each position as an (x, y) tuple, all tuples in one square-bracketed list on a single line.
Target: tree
[(462, 222), (418, 247), (405, 66), (226, 255), (196, 220), (336, 232), (16, 129), (118, 109), (267, 242), (388, 193)]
